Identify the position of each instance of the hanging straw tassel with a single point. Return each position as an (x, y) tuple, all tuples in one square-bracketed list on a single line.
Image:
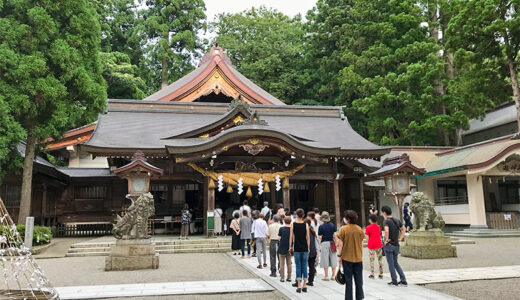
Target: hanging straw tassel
[(211, 184), (285, 184), (266, 188), (229, 189), (249, 194)]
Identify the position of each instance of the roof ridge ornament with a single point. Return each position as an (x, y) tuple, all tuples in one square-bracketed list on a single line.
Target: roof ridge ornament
[(253, 119), (239, 102)]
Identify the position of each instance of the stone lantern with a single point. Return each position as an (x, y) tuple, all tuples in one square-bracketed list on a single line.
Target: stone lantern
[(134, 249), (397, 173)]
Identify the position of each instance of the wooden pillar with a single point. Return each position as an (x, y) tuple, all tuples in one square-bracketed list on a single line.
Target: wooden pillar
[(272, 191), (336, 204), (44, 205), (287, 198), (477, 206), (205, 201), (362, 197)]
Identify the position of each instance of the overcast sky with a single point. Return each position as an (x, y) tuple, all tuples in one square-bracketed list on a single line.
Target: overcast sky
[(288, 7)]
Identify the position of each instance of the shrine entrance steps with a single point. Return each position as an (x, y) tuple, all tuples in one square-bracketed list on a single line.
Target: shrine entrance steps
[(485, 233), (163, 245)]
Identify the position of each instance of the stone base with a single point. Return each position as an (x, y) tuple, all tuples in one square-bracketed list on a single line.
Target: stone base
[(128, 255), (428, 245)]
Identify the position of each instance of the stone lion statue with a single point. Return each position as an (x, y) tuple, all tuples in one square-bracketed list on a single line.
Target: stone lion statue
[(425, 215), (134, 224)]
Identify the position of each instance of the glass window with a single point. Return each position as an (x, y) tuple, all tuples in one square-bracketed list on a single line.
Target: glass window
[(451, 192)]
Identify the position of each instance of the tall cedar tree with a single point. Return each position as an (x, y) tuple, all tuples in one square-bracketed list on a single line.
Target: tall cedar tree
[(489, 31), (471, 85), (50, 72), (268, 48), (121, 77), (171, 27)]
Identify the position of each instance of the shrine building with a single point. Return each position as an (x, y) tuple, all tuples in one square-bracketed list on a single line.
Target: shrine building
[(220, 139)]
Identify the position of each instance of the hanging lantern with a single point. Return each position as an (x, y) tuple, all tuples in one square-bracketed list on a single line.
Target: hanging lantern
[(211, 184), (229, 189), (286, 183), (266, 188), (249, 193)]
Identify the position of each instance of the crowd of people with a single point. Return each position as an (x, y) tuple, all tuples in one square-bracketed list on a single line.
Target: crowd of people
[(311, 240)]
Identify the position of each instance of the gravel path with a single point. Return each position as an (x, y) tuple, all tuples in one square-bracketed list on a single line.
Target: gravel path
[(486, 252), (69, 271), (480, 289)]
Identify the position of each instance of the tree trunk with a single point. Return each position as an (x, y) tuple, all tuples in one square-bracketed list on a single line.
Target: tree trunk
[(514, 86), (164, 74), (25, 202)]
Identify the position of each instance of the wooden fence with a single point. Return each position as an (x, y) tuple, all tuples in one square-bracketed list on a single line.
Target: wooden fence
[(503, 220), (82, 230)]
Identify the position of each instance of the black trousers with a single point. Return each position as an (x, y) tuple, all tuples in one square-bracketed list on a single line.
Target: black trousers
[(312, 268), (353, 270)]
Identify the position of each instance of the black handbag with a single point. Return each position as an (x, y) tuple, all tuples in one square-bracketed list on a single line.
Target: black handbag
[(340, 277)]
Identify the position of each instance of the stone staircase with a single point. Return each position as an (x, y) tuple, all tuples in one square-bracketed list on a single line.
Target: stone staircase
[(485, 233), (217, 245)]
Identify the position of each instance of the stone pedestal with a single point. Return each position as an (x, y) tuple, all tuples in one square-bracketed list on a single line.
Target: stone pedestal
[(428, 244), (134, 254)]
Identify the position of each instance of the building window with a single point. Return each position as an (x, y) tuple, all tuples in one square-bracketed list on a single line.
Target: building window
[(450, 192), (90, 192), (11, 194), (509, 192)]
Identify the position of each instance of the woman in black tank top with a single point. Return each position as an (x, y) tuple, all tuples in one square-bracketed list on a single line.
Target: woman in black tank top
[(300, 237)]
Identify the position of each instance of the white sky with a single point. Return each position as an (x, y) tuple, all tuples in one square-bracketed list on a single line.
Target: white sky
[(288, 7)]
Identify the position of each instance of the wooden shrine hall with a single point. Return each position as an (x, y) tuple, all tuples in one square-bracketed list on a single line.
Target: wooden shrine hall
[(220, 139)]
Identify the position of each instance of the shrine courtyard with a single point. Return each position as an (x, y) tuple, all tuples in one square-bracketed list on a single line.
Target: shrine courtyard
[(477, 273)]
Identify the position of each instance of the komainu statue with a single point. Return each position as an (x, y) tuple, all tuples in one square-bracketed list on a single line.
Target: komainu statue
[(425, 215), (134, 224)]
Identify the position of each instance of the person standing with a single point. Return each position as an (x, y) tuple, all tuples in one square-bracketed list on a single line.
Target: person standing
[(217, 213), (266, 211), (245, 233), (235, 238), (312, 252), (283, 250), (328, 258), (301, 239), (350, 245), (375, 246), (260, 231), (281, 213), (318, 217), (245, 207), (272, 237), (394, 233), (185, 222), (407, 216)]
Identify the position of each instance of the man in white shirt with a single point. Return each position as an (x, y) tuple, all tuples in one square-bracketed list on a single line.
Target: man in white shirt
[(266, 211), (260, 231), (272, 238), (245, 207)]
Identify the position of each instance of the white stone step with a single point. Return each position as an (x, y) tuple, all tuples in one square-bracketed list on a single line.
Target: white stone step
[(81, 254)]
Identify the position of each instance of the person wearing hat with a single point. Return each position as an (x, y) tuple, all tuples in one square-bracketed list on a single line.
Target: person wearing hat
[(326, 234)]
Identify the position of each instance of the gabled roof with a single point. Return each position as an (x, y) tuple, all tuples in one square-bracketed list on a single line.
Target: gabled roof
[(395, 165), (160, 127), (72, 137), (502, 115), (212, 66)]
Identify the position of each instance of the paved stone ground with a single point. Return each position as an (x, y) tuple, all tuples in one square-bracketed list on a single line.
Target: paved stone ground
[(163, 288), (226, 296), (480, 289), (373, 288), (60, 246), (455, 275)]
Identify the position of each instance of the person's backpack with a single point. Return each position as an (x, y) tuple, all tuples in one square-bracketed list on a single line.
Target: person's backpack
[(185, 218)]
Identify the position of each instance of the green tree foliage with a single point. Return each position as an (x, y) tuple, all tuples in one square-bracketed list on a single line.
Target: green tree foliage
[(11, 134), (121, 77), (50, 71), (487, 33), (268, 48), (171, 28)]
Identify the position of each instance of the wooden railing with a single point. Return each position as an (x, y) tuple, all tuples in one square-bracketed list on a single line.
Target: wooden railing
[(82, 230)]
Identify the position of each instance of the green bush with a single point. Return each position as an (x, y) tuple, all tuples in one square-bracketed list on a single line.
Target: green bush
[(41, 234)]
